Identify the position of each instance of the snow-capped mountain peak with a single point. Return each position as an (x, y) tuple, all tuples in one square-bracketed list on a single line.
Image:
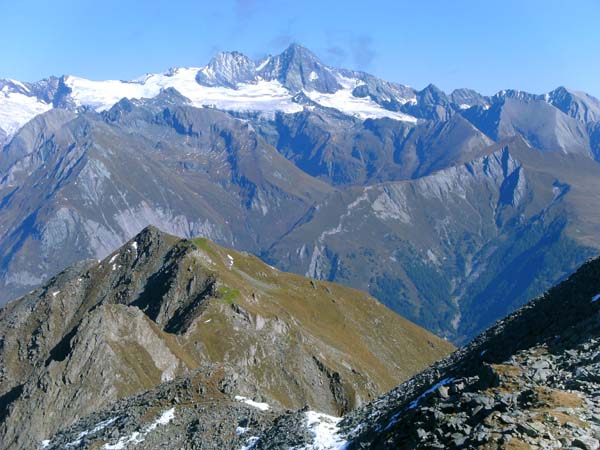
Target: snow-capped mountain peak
[(230, 81), (17, 106), (227, 69)]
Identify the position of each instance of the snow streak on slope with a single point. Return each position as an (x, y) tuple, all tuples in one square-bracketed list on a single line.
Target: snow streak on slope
[(325, 431), (17, 109), (362, 107)]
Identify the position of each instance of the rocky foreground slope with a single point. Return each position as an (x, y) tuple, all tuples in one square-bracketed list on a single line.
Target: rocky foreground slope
[(185, 331), (530, 381)]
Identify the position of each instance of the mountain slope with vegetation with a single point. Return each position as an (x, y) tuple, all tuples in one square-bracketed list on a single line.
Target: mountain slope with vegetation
[(529, 381), (165, 310)]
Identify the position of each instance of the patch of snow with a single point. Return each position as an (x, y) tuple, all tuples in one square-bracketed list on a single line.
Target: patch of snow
[(45, 443), (230, 261), (432, 257), (167, 375), (415, 403), (250, 443), (99, 427), (208, 321), (436, 386), (134, 245), (268, 96), (464, 106), (241, 430), (102, 425), (313, 76), (258, 405), (325, 431), (138, 436), (55, 293), (357, 428), (112, 259), (164, 419), (360, 107), (263, 64), (114, 267), (17, 109), (21, 85), (595, 298)]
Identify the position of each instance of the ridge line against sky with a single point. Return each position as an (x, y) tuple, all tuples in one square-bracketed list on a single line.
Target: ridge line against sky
[(530, 45)]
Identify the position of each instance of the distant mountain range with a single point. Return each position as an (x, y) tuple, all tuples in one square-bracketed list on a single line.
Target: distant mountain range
[(451, 209)]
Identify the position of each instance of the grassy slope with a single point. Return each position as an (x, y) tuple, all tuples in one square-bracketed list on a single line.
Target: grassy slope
[(371, 337)]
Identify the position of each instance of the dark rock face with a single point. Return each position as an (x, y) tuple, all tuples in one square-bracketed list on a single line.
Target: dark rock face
[(432, 103), (578, 105)]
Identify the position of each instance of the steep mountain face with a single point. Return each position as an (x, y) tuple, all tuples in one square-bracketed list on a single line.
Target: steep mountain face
[(312, 167), (578, 105), (227, 69), (538, 122), (467, 98), (530, 381), (344, 151), (297, 68), (86, 183), (432, 103), (207, 324), (458, 248)]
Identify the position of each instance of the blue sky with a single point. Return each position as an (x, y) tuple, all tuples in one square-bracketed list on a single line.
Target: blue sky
[(486, 45)]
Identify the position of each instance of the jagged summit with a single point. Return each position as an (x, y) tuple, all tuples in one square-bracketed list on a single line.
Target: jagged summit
[(234, 82), (577, 104), (161, 309), (297, 68), (227, 69)]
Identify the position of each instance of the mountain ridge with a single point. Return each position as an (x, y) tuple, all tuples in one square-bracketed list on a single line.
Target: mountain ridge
[(161, 308), (296, 69), (528, 381)]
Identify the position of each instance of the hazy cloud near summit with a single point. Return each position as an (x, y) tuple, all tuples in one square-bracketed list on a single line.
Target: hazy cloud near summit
[(349, 48), (363, 52)]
